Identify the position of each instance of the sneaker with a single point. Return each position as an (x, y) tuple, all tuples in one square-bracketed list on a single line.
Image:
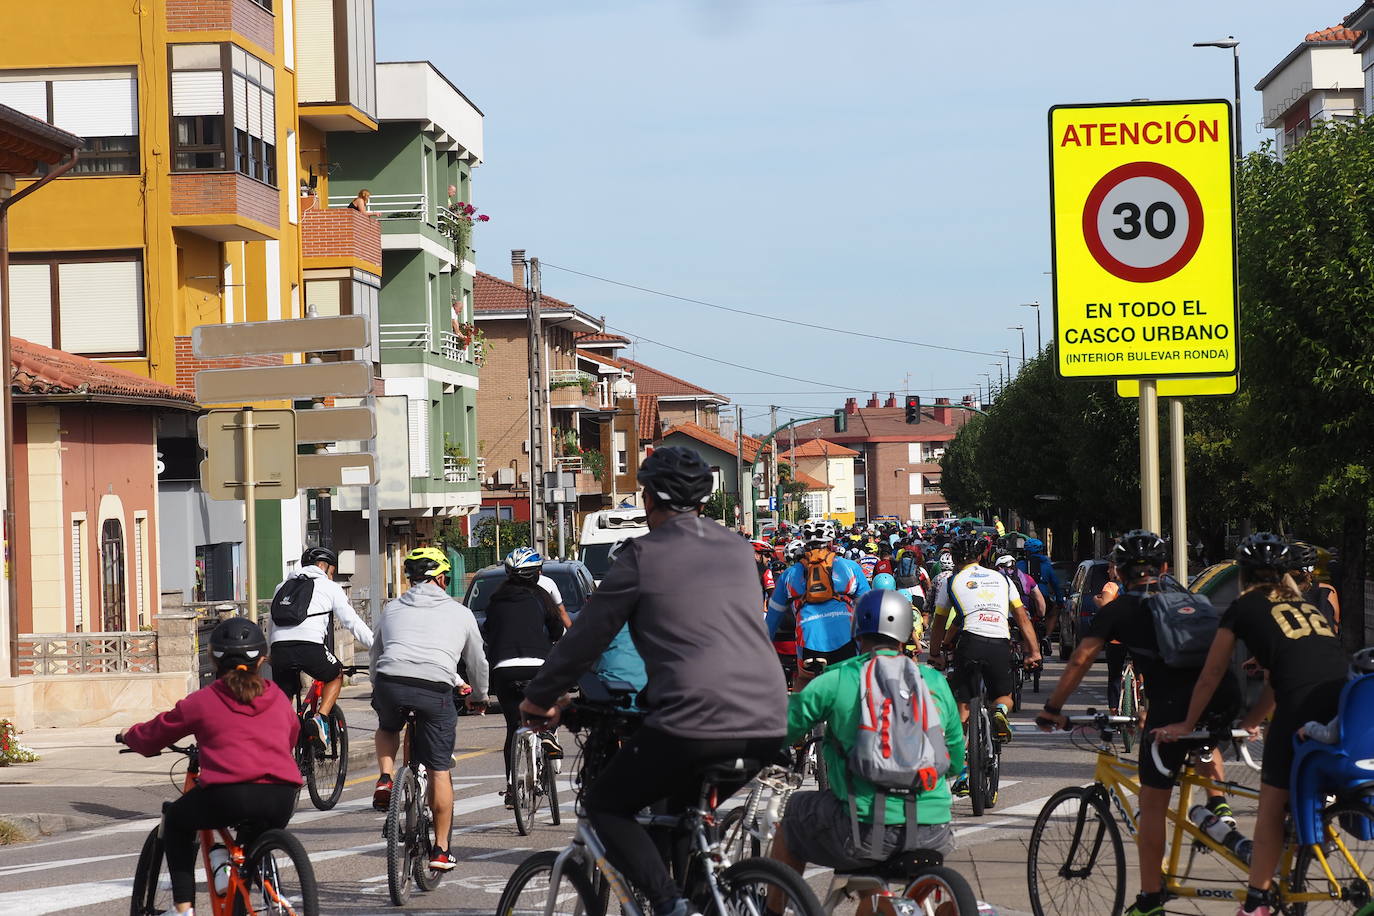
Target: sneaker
[(1220, 808), (508, 794), (322, 732), (552, 748), (960, 787), (442, 860), (1144, 909), (681, 907), (381, 796), (1001, 728), (1260, 910)]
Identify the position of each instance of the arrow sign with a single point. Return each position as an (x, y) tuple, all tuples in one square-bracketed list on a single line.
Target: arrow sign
[(266, 338), (284, 383), (335, 424)]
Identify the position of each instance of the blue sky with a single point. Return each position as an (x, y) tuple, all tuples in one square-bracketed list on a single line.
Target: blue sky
[(875, 165)]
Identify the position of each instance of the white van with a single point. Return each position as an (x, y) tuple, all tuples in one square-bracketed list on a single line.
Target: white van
[(603, 530)]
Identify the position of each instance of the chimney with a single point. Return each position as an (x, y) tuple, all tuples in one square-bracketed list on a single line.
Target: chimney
[(943, 413), (873, 400), (851, 405), (517, 266), (891, 399), (967, 401)]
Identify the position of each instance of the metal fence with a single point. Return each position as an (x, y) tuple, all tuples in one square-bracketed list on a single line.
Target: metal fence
[(87, 653)]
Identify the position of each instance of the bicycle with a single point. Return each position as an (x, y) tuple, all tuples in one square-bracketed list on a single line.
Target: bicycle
[(256, 882), (533, 776), (1076, 841), (984, 758), (755, 823), (1018, 674), (579, 880), (1130, 705), (408, 828), (324, 766)]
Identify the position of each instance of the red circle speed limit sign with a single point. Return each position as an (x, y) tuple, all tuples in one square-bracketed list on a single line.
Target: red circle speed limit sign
[(1142, 222)]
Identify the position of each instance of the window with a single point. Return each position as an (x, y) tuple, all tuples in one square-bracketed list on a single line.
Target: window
[(78, 575), (223, 123), (417, 413), (814, 503), (347, 293), (99, 105), (89, 304), (112, 590), (622, 454)]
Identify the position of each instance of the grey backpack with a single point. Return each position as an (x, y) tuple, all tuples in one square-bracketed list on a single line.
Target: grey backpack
[(900, 747), (1185, 623)]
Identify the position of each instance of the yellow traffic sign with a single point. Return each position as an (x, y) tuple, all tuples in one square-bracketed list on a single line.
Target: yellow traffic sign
[(1142, 219), (1183, 387)]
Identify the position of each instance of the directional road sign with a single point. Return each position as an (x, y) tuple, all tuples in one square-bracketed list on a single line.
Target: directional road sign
[(329, 469), (1183, 387), (263, 338), (335, 424), (1143, 224), (352, 378), (221, 434)]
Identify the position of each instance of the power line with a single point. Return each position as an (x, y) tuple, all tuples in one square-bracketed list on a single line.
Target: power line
[(802, 324)]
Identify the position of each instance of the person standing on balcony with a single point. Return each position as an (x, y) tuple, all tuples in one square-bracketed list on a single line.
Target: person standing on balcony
[(359, 203)]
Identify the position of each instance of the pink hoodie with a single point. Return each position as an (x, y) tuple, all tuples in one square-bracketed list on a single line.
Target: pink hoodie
[(239, 742)]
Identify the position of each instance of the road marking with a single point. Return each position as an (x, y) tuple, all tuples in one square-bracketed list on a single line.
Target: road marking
[(46, 866), (1020, 811), (468, 756), (498, 853)]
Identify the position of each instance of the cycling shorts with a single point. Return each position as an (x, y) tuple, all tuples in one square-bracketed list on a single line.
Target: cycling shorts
[(289, 659), (973, 653), (847, 651), (435, 715)]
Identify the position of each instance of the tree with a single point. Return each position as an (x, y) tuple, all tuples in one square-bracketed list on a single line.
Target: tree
[(1306, 241), (513, 534), (721, 506), (960, 482)]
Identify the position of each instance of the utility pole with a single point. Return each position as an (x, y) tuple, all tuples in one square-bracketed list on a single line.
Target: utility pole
[(792, 434), (773, 472), (539, 391), (739, 470)]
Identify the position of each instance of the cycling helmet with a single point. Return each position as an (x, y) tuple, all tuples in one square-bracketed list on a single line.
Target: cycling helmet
[(1304, 556), (1034, 546), (946, 561), (1264, 550), (1140, 547), (795, 549), (315, 555), (1362, 662), (884, 612), (967, 548), (762, 547), (884, 580), (237, 641), (818, 532), (426, 563), (524, 563), (677, 477), (1006, 561)]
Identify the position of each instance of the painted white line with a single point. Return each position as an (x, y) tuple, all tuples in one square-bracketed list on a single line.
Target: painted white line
[(46, 866), (498, 853), (1020, 813)]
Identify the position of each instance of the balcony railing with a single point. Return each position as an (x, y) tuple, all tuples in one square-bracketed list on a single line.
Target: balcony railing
[(454, 472), (452, 348), (571, 464), (390, 206), (569, 375), (406, 337)]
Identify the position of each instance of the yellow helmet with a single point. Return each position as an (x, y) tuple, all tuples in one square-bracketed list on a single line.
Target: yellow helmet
[(426, 563)]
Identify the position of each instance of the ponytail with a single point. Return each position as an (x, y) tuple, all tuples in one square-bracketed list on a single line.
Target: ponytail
[(243, 683)]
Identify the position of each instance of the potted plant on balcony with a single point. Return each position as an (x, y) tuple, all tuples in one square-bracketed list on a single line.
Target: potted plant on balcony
[(455, 221)]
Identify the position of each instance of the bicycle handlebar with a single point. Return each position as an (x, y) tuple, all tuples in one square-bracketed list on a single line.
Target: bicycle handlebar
[(1237, 734)]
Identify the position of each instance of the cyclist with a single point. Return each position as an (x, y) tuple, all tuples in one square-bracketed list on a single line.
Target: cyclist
[(714, 692), (529, 559), (300, 646), (1142, 557), (821, 590), (817, 826), (246, 730), (1306, 666), (1322, 594), (1038, 565), (522, 625), (421, 637), (986, 605)]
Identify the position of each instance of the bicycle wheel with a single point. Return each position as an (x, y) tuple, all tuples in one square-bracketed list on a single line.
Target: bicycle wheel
[(1076, 864), (280, 879), (1018, 683), (150, 896), (977, 753), (1128, 706), (939, 886), (527, 891), (427, 878), (1351, 821), (738, 839), (522, 783), (1066, 635), (551, 790), (325, 773), (745, 885), (401, 830)]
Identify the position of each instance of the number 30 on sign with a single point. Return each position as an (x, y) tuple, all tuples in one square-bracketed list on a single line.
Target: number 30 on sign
[(1144, 239)]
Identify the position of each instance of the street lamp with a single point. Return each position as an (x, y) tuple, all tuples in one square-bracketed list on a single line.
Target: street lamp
[(1230, 42), (1022, 329), (1035, 305), (988, 376), (1007, 354)]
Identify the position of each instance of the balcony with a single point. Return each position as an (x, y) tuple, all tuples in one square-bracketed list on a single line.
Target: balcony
[(225, 206), (341, 237), (457, 472), (250, 18), (573, 389), (336, 66), (420, 339), (411, 221), (586, 481)]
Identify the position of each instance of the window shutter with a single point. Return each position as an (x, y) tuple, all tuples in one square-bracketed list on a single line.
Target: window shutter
[(240, 88), (31, 302), (101, 308), (96, 108), (417, 410), (324, 295), (254, 109), (269, 118), (197, 92), (28, 96)]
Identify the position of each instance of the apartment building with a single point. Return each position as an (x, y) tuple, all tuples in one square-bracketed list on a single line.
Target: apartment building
[(1361, 22), (1319, 80), (831, 464)]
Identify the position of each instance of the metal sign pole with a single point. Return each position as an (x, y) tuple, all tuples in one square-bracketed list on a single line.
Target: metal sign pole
[(561, 521), (1178, 489), (1149, 456), (374, 538), (250, 516)]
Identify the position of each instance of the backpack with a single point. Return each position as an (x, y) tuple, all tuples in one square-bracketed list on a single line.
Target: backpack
[(900, 746), (819, 566), (1185, 623), (291, 603), (906, 572)]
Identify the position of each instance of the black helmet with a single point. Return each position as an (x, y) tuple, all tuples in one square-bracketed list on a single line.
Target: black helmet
[(967, 547), (315, 555), (1264, 550), (1141, 548), (677, 477), (1303, 556), (237, 641)]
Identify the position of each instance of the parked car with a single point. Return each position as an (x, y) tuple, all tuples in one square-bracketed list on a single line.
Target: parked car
[(1220, 582), (1088, 580), (572, 577)]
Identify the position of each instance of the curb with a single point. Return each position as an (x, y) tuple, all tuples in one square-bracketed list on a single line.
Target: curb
[(35, 826)]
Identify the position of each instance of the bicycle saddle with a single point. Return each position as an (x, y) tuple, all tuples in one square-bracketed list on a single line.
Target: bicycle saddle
[(901, 865), (738, 770)]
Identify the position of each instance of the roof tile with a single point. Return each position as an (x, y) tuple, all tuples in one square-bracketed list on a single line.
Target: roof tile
[(1335, 33), (37, 369), (492, 294), (716, 440), (655, 381), (820, 448), (648, 417)]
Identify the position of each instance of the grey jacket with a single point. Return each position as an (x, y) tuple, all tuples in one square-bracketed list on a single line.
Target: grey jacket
[(690, 592), (423, 634)]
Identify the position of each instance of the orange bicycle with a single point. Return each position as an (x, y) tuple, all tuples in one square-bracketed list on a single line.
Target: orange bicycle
[(272, 878)]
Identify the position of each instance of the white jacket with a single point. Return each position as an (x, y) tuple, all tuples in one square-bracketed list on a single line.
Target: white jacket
[(328, 599)]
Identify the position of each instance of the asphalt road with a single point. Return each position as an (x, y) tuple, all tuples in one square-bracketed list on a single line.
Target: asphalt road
[(89, 871)]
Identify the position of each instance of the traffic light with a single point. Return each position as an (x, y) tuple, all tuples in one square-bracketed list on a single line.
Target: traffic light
[(841, 421), (913, 408)]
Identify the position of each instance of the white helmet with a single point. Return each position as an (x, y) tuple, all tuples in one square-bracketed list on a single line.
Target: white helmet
[(818, 532), (795, 549), (946, 561)]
